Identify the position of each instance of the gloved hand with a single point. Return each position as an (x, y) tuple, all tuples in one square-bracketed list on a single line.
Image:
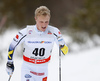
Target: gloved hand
[(64, 49), (10, 68)]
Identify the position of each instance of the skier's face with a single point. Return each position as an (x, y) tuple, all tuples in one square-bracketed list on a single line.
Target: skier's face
[(42, 22)]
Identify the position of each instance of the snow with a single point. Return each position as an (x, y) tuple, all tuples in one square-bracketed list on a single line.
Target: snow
[(83, 65)]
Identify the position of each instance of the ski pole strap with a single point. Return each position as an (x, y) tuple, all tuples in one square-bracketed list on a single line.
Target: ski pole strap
[(36, 61)]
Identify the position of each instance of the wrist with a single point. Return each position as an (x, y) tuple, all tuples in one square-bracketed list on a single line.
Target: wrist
[(11, 61)]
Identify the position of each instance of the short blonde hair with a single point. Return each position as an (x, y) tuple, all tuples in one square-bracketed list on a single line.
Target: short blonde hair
[(42, 10)]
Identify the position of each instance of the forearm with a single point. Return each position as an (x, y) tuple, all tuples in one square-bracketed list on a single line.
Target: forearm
[(63, 46), (11, 52), (60, 41)]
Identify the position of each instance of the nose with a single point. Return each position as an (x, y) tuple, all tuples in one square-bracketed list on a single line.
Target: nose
[(44, 24)]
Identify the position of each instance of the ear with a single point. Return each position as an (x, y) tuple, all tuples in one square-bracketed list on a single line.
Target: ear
[(35, 18)]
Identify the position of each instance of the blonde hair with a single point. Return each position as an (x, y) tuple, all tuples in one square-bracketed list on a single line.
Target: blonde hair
[(42, 10)]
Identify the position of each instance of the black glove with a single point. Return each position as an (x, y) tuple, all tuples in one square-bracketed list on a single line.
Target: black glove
[(10, 68)]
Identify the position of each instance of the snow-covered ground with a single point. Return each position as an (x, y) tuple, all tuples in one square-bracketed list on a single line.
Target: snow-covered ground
[(76, 66)]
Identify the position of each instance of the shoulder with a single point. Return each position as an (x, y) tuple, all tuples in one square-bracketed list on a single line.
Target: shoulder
[(20, 35), (23, 31), (53, 28), (29, 26)]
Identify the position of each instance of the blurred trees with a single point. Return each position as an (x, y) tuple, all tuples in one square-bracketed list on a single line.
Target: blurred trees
[(87, 18), (75, 14), (21, 12), (18, 12)]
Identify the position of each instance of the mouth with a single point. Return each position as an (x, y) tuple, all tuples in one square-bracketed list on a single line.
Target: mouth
[(43, 27)]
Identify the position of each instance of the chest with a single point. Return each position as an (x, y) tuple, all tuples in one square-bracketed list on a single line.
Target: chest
[(39, 40)]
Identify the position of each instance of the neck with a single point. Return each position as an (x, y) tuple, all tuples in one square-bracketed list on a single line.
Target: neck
[(38, 29)]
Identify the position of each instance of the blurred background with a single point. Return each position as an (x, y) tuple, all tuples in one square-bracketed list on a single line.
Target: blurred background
[(78, 20)]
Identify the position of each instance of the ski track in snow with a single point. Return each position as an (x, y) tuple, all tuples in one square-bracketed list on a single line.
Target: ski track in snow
[(79, 66)]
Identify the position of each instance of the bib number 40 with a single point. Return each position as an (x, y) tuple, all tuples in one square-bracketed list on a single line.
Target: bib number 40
[(39, 52)]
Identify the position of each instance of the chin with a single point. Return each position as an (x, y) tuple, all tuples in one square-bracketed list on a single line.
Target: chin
[(43, 30)]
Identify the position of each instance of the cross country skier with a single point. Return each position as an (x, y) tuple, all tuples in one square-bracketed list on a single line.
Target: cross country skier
[(37, 42)]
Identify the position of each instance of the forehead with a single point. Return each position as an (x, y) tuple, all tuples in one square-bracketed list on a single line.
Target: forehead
[(41, 17)]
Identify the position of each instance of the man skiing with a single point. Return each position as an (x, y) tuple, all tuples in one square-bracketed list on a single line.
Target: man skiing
[(37, 42)]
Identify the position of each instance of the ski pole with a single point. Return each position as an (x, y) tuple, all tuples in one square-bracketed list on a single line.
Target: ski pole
[(9, 77), (59, 64)]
